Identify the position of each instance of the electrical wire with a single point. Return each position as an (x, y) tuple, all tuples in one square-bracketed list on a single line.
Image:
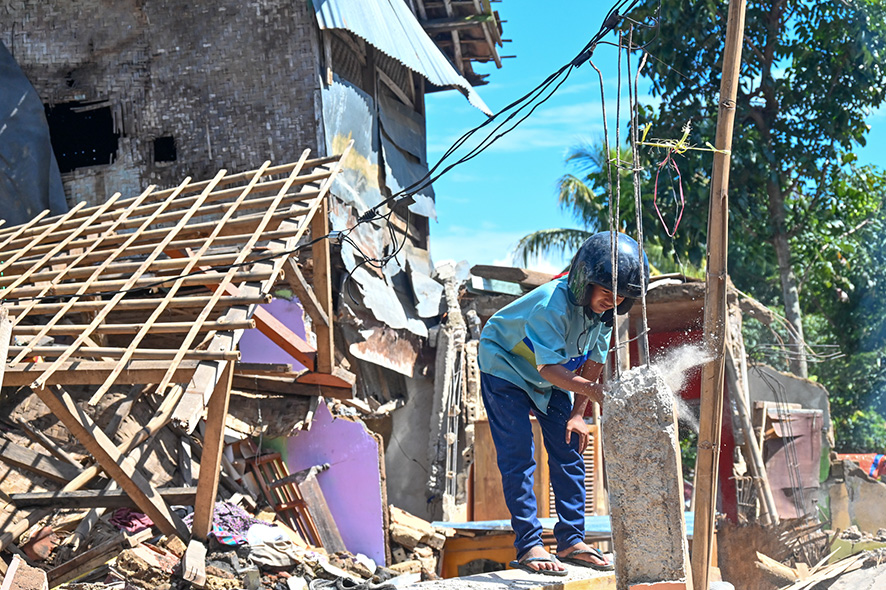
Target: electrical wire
[(513, 115)]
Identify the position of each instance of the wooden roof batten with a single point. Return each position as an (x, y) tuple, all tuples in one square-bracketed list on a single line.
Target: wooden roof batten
[(72, 284), (466, 30)]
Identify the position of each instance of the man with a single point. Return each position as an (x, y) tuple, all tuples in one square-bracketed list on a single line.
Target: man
[(534, 355)]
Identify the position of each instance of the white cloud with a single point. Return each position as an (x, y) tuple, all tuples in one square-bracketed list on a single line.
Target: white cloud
[(487, 245)]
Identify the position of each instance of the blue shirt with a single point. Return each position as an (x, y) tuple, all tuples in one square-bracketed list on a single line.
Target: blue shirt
[(541, 328)]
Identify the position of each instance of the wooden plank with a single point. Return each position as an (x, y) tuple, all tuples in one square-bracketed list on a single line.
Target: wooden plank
[(330, 537), (120, 285), (143, 353), (98, 498), (94, 372), (241, 368), (122, 268), (121, 468), (339, 378), (280, 334), (95, 557), (210, 460), (510, 274), (33, 462), (157, 328), (272, 384), (138, 304)]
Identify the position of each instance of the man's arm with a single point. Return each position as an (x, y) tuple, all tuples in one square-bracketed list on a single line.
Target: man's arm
[(585, 386), (584, 383)]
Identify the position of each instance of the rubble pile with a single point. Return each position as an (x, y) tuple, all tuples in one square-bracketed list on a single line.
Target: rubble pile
[(96, 538)]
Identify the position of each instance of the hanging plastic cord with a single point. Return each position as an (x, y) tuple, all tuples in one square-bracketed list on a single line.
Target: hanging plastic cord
[(667, 164)]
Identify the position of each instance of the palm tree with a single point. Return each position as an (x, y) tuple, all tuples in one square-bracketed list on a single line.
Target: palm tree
[(586, 196)]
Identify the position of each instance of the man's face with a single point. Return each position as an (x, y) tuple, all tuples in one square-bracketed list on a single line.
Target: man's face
[(601, 299)]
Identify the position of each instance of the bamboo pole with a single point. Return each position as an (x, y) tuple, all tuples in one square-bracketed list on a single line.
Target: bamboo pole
[(711, 411)]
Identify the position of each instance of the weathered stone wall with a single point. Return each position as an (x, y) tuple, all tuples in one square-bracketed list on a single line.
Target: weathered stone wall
[(235, 83)]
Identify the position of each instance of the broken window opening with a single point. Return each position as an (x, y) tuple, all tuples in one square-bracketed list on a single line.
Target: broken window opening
[(82, 134), (164, 149)]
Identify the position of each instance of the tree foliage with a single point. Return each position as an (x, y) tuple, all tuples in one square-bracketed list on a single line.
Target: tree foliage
[(810, 73)]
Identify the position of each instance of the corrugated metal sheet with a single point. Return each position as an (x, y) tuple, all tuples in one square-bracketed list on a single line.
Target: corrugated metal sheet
[(391, 27)]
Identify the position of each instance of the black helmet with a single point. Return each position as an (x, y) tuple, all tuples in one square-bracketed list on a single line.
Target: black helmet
[(592, 265)]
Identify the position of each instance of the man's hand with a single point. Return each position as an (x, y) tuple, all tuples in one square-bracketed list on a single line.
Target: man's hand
[(576, 424)]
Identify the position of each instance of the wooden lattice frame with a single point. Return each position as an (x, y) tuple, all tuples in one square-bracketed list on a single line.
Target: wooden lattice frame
[(218, 245)]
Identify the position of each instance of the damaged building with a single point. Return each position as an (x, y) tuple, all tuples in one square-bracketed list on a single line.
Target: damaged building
[(204, 277)]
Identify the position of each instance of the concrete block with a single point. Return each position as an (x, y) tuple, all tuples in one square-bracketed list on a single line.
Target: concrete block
[(645, 481), (661, 586)]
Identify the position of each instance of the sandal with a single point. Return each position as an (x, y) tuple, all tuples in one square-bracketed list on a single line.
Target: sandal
[(573, 559), (523, 564)]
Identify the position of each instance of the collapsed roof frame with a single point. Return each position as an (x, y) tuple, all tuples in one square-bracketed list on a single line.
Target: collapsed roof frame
[(150, 253)]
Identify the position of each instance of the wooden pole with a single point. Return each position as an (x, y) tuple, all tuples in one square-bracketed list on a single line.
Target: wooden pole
[(323, 288), (711, 411)]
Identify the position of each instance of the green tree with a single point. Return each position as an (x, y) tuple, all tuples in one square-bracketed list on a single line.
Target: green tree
[(810, 73)]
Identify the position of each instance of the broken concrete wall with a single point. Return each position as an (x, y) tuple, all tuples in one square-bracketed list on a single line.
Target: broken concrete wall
[(232, 84), (854, 498), (765, 384), (406, 455)]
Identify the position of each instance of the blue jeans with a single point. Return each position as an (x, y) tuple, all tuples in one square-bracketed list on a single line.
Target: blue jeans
[(508, 409)]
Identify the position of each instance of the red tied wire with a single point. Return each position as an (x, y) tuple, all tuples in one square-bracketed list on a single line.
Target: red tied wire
[(669, 161)]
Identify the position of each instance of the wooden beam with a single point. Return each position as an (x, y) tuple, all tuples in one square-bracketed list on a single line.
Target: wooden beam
[(121, 468), (47, 443), (323, 288), (711, 409), (526, 278), (104, 351), (439, 25), (280, 385), (5, 336), (280, 334), (305, 293), (33, 462), (157, 328), (339, 378), (210, 460), (95, 372), (98, 498)]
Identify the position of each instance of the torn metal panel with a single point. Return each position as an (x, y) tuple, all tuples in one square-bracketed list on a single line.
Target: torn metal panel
[(379, 296), (404, 152), (349, 114), (401, 172), (391, 28), (387, 348), (31, 181), (428, 294)]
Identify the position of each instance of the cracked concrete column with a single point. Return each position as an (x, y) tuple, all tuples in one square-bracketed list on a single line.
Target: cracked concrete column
[(643, 470)]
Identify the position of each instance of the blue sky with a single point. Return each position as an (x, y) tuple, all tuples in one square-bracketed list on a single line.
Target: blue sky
[(484, 206)]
